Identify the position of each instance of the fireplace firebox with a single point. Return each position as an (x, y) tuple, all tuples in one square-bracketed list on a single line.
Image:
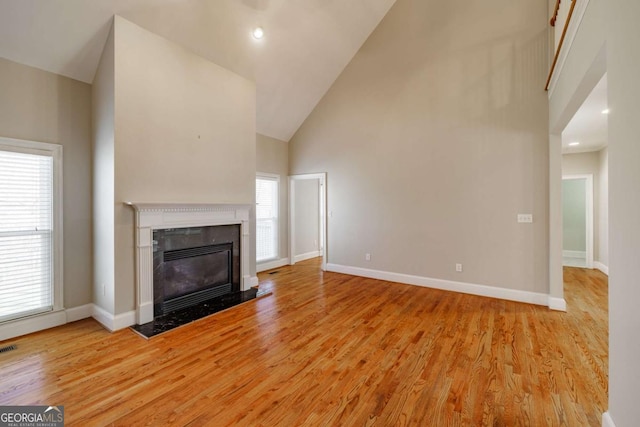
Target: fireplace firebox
[(194, 264)]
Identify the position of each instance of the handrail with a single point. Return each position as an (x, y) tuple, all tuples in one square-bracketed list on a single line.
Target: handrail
[(555, 13), (564, 33)]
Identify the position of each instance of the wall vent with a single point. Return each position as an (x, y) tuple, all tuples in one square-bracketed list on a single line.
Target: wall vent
[(7, 348)]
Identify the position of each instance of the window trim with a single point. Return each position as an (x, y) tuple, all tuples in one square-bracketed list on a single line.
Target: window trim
[(55, 152), (276, 178)]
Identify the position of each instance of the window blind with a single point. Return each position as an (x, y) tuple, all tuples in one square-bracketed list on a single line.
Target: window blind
[(26, 234), (266, 218)]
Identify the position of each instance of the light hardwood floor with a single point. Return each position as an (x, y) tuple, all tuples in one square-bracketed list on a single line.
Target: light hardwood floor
[(330, 349)]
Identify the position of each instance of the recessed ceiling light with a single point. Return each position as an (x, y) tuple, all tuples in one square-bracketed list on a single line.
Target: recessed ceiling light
[(258, 33), (605, 111), (573, 144)]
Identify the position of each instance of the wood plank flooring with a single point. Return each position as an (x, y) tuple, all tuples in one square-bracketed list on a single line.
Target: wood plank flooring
[(330, 349)]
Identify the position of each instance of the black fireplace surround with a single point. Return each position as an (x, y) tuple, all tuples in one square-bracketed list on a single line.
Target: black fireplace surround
[(195, 264)]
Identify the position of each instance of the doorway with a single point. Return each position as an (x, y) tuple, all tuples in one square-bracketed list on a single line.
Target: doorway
[(577, 221), (307, 217)]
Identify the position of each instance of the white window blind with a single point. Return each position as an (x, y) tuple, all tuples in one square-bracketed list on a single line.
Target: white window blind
[(26, 233), (266, 218)]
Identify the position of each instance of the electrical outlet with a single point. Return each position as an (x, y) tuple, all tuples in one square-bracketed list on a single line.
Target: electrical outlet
[(367, 257), (459, 268)]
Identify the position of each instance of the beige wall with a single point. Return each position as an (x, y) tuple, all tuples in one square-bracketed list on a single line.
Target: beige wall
[(103, 99), (581, 163), (434, 138), (184, 132), (623, 69), (272, 156), (39, 106)]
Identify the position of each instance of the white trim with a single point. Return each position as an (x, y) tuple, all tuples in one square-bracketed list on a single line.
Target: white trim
[(56, 152), (572, 31), (28, 325), (253, 282), (158, 216), (270, 265), (588, 214), (600, 266), (103, 317), (79, 313), (267, 175), (308, 255), (111, 322), (124, 320), (445, 285), (557, 304), (574, 254), (607, 421), (323, 215)]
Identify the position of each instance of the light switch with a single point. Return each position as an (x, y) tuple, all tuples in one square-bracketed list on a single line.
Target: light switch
[(525, 218)]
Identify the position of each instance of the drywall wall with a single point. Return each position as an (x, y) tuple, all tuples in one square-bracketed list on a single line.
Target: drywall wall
[(103, 142), (623, 69), (184, 132), (307, 216), (39, 106), (574, 219), (272, 156), (602, 223), (434, 138), (584, 67), (581, 164)]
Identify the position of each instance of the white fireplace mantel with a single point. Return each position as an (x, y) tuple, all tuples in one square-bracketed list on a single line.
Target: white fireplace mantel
[(158, 216)]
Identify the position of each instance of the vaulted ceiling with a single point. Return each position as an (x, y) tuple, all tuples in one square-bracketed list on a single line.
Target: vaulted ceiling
[(307, 43)]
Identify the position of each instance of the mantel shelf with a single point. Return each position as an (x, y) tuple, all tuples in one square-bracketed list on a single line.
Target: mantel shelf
[(181, 206)]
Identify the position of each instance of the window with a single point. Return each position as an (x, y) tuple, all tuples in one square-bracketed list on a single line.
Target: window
[(266, 217), (30, 244)]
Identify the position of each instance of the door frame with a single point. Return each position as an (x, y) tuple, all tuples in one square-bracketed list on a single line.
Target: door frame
[(589, 212), (322, 177)]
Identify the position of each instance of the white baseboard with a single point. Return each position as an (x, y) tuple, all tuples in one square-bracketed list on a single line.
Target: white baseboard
[(32, 324), (308, 255), (558, 304), (79, 313), (270, 265), (445, 285), (124, 320), (253, 282), (607, 421), (575, 254), (111, 322), (600, 266), (103, 317)]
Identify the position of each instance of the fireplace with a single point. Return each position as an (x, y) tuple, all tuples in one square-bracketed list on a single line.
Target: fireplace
[(170, 217), (194, 264)]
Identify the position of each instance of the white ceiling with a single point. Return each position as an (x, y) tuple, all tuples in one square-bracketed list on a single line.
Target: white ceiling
[(589, 126), (307, 43)]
